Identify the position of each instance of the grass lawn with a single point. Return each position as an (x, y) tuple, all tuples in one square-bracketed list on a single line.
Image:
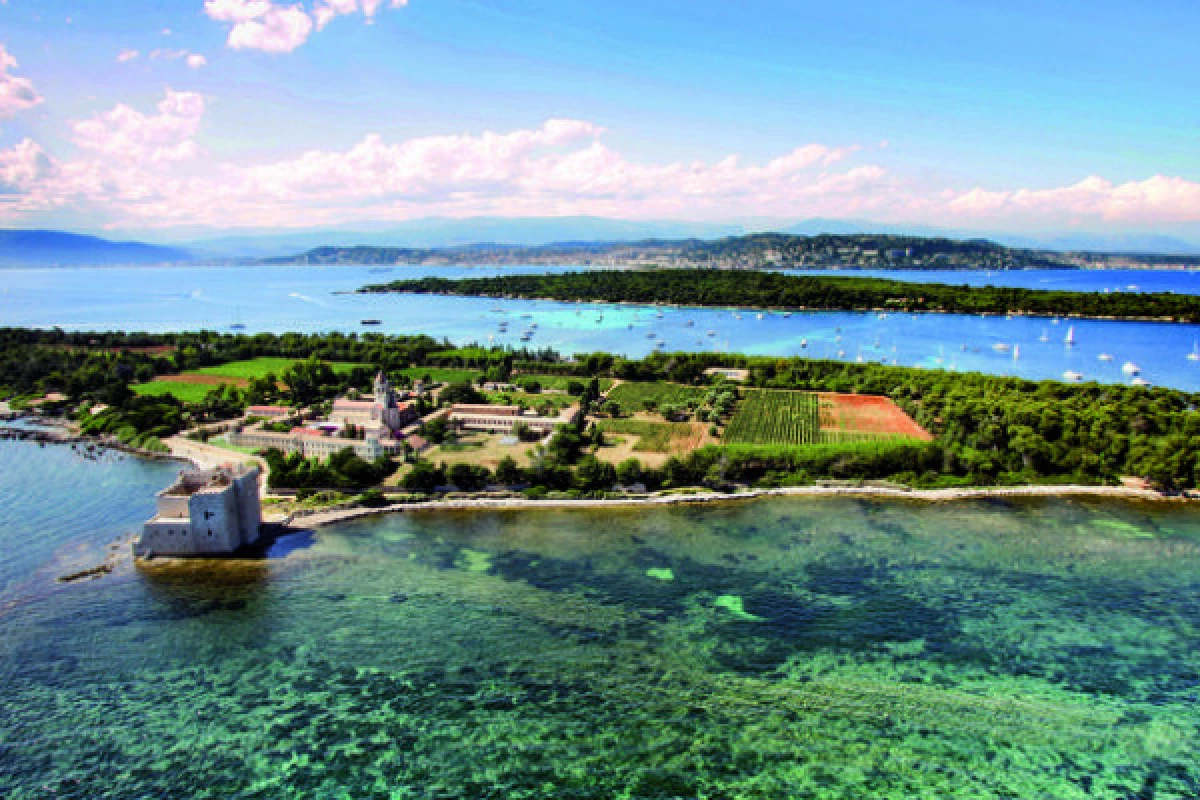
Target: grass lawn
[(442, 374), (479, 448), (258, 367), (653, 437), (634, 396), (184, 392)]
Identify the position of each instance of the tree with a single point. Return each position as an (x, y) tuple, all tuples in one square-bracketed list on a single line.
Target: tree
[(461, 393), (629, 472), (508, 473), (424, 478), (467, 477), (594, 475)]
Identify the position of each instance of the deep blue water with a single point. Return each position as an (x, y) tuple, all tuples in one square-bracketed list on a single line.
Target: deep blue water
[(307, 299)]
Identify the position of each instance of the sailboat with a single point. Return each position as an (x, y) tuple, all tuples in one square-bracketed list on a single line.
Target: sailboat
[(1045, 337), (1016, 352), (237, 324), (1195, 354), (1070, 340)]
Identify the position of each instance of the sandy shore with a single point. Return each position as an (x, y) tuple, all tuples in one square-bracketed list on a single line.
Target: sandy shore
[(320, 518)]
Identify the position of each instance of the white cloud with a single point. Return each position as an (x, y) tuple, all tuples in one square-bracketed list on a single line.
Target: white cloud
[(126, 55), (16, 94), (275, 28), (140, 169), (127, 135), (193, 60), (20, 167)]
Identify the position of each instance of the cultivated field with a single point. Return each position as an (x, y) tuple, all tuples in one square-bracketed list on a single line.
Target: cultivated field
[(184, 392), (634, 396), (867, 414), (773, 417), (650, 440), (191, 387)]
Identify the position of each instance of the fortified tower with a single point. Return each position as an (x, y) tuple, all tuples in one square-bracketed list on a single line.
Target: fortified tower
[(204, 513)]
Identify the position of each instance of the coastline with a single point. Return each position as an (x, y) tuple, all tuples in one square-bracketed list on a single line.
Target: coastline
[(318, 519)]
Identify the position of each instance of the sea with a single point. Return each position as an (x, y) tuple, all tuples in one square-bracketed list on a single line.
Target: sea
[(778, 648), (321, 299)]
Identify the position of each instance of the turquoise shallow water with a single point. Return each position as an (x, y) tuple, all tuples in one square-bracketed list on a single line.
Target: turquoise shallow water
[(784, 648), (305, 299)]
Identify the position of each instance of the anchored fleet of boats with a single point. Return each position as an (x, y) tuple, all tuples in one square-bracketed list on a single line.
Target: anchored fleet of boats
[(1129, 369)]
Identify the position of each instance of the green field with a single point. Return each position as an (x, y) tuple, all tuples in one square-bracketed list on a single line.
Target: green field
[(653, 437), (776, 417), (183, 392), (442, 374), (559, 382), (634, 396), (558, 401), (258, 367)]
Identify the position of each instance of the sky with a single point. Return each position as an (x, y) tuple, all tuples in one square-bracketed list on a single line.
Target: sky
[(181, 117)]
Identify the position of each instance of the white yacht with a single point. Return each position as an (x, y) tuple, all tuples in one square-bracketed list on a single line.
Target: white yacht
[(1140, 382), (1105, 357), (1130, 368), (1071, 375), (1070, 340)]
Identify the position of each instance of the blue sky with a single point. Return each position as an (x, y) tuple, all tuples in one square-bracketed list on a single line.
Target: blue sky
[(306, 113)]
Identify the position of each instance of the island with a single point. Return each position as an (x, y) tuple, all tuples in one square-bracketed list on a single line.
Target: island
[(340, 422), (774, 290)]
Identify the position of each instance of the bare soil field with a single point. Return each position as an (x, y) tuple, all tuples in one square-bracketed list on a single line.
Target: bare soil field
[(867, 414)]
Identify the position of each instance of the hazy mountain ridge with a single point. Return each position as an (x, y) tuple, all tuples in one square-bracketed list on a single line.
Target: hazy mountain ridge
[(57, 248)]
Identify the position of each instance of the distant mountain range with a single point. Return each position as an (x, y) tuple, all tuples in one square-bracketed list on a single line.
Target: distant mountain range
[(23, 248), (462, 236)]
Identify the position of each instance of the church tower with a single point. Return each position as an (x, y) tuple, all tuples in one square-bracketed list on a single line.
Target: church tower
[(383, 391)]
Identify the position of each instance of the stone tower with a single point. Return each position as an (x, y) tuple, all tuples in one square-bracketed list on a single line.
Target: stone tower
[(383, 391)]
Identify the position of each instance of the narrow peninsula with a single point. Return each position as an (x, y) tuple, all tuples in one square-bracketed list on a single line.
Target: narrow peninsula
[(773, 290)]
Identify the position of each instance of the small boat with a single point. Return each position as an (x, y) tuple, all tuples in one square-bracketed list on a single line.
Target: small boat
[(787, 315), (1195, 354), (372, 322), (1130, 368), (804, 342), (1140, 382), (691, 323), (651, 335), (1071, 375), (1001, 347), (712, 333), (737, 316), (237, 326), (1045, 337), (759, 316), (1105, 357), (1070, 339), (660, 345), (841, 353)]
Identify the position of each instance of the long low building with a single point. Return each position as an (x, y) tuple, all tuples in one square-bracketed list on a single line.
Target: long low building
[(504, 419), (314, 444)]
